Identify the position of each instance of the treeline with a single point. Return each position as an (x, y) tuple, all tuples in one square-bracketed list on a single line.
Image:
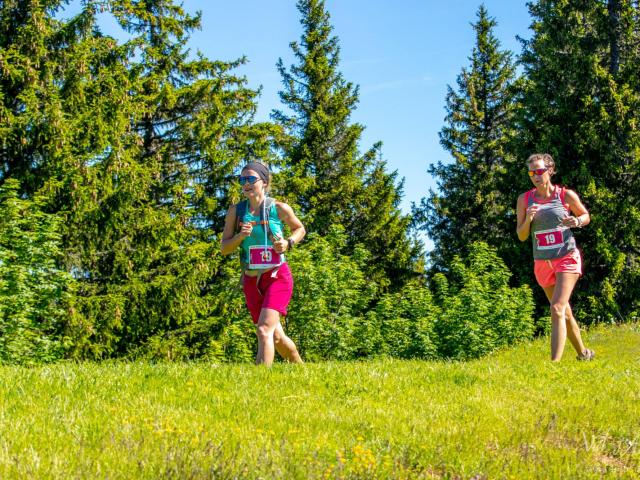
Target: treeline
[(118, 160), (577, 99)]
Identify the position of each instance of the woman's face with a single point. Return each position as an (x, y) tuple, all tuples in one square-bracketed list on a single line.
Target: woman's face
[(250, 189), (538, 173)]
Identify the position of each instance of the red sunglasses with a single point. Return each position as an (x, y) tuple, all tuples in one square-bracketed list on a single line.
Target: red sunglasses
[(537, 171)]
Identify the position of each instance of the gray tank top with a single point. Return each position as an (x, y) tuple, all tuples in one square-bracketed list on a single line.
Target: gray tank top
[(550, 239)]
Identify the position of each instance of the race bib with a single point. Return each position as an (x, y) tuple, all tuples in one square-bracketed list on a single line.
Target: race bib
[(548, 239), (261, 257)]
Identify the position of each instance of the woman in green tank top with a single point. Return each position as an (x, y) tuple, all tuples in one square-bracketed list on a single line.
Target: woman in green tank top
[(255, 227), (548, 213)]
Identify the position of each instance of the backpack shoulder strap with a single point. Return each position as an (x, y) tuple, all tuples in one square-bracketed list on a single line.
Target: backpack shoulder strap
[(241, 209), (268, 203)]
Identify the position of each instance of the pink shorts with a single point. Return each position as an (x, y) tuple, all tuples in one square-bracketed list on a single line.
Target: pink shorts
[(273, 291), (546, 270)]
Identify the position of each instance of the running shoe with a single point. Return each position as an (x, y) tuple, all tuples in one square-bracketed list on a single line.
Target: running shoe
[(586, 355)]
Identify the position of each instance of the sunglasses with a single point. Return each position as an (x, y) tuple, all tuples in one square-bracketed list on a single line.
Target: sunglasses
[(251, 179), (537, 171)]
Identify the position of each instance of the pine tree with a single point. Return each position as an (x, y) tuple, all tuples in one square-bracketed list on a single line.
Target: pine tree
[(473, 202), (395, 256), (133, 145), (33, 49), (327, 177), (64, 111), (198, 121), (148, 252), (582, 102), (35, 293)]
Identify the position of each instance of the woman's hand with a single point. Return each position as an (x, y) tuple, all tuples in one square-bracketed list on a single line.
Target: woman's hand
[(245, 229), (280, 245), (571, 222), (285, 213), (531, 212), (580, 216)]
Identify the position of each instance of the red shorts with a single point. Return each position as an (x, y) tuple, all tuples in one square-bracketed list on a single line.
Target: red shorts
[(546, 270), (273, 291)]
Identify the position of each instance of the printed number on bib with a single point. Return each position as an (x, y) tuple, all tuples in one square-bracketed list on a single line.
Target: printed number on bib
[(548, 239), (261, 257)]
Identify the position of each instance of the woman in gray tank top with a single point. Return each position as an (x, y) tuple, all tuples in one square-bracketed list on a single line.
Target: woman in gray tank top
[(549, 212)]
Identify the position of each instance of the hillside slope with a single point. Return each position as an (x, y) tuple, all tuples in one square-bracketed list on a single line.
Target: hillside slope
[(511, 415)]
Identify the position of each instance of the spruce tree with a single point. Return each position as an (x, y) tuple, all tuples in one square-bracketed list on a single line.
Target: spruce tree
[(582, 104), (34, 47), (36, 295), (133, 145), (327, 176), (150, 250), (64, 111), (198, 119), (473, 203)]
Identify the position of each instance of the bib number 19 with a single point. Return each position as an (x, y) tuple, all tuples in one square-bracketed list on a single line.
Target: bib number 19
[(548, 239), (261, 257), (266, 256)]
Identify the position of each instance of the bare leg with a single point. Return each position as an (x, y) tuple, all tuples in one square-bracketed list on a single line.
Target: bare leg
[(285, 346), (572, 328), (267, 323), (559, 302), (573, 332)]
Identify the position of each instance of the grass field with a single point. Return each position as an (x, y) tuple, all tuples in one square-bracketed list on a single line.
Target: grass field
[(512, 415)]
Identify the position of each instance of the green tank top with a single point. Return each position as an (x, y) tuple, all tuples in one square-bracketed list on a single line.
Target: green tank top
[(257, 236)]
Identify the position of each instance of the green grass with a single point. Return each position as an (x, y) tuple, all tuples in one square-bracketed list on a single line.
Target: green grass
[(512, 415)]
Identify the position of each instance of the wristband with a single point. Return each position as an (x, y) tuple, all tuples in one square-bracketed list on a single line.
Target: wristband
[(290, 242), (579, 219)]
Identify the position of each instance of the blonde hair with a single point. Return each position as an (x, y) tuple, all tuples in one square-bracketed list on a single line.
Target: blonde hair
[(549, 163)]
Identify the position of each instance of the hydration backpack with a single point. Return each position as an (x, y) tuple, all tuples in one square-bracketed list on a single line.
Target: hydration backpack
[(265, 209)]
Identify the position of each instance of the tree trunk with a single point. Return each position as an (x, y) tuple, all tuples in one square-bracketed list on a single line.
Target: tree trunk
[(614, 8)]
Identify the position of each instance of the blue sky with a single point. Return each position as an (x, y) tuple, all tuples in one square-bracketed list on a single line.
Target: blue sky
[(401, 53)]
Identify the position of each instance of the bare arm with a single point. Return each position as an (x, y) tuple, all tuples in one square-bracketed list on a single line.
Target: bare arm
[(525, 216), (580, 216), (231, 240), (285, 213)]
